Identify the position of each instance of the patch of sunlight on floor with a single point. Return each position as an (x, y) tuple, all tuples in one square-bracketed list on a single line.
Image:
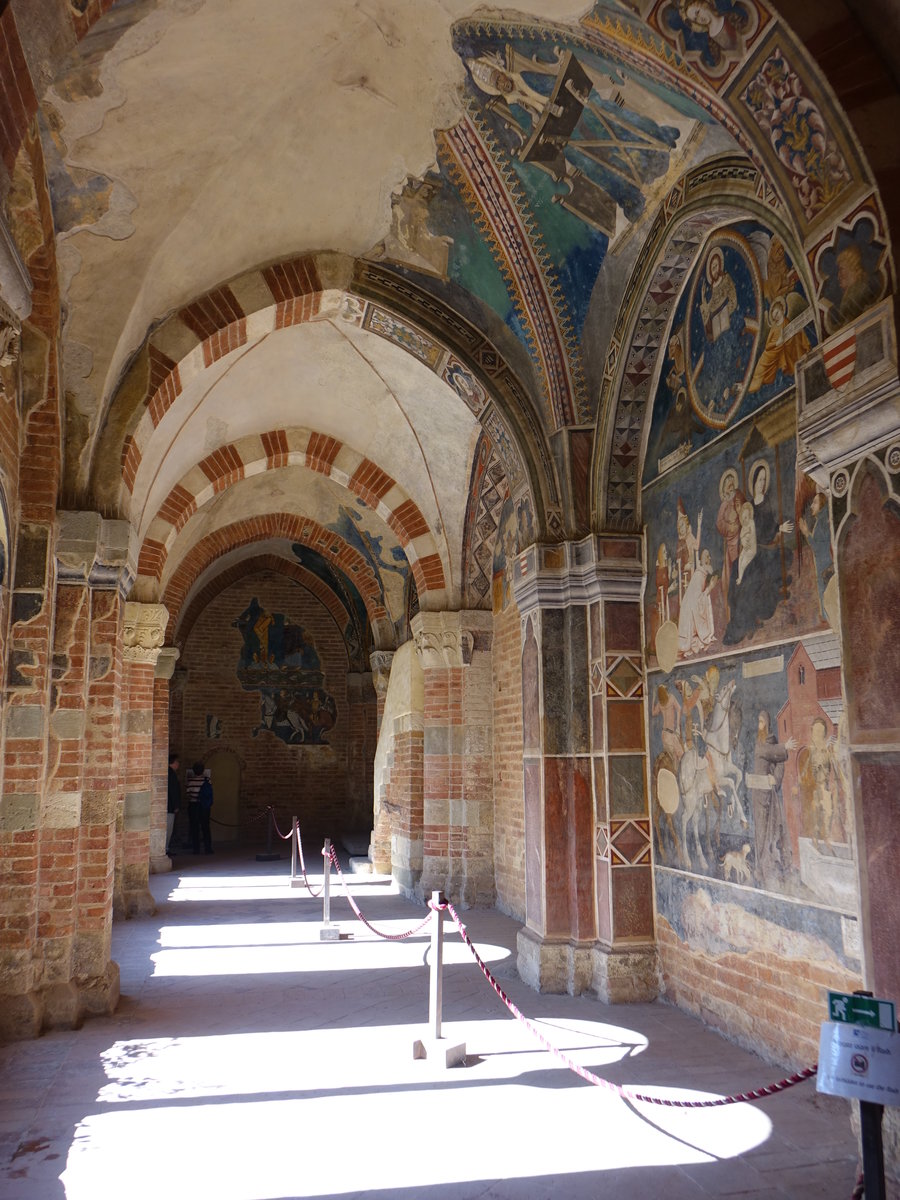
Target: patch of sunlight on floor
[(237, 887), (328, 1112), (279, 957)]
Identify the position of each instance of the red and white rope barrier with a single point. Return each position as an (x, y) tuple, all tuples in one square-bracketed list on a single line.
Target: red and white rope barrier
[(389, 937), (626, 1093)]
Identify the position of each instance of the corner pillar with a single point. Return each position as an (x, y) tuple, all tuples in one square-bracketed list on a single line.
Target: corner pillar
[(848, 432), (380, 844), (159, 761), (588, 875), (454, 652)]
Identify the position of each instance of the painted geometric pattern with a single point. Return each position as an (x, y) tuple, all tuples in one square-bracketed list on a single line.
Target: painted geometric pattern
[(629, 843), (624, 678), (640, 364), (602, 841), (482, 523), (501, 213)]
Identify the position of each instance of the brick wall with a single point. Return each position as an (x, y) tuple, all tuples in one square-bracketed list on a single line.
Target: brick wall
[(509, 809), (313, 782), (765, 1001)]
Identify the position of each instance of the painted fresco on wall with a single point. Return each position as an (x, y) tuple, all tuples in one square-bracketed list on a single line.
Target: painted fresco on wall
[(280, 661), (357, 632), (750, 772), (515, 532), (738, 330), (741, 549), (851, 269)]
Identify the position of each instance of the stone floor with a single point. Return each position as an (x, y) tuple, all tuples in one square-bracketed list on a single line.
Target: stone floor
[(251, 1060)]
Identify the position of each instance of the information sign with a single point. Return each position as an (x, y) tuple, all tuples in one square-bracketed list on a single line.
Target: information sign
[(859, 1063)]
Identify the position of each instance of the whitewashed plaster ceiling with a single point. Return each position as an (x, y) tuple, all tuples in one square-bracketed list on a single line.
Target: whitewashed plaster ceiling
[(188, 141)]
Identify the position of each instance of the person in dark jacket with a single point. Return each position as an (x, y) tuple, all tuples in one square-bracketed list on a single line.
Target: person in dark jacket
[(174, 802), (199, 795)]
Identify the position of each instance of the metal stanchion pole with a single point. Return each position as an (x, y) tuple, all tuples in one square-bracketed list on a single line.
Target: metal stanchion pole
[(433, 1040), (328, 932), (270, 854), (436, 978), (293, 851)]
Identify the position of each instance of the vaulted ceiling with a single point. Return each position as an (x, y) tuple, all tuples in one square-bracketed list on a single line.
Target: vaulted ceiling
[(333, 272)]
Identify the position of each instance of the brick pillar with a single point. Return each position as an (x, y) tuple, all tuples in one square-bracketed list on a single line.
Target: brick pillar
[(361, 750), (159, 765), (380, 844), (456, 765), (849, 442), (143, 631), (587, 926), (26, 695)]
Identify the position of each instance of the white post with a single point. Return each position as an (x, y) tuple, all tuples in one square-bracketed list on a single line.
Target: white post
[(436, 980)]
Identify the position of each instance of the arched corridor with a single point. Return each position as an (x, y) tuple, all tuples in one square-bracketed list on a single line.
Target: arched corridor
[(248, 1058), (476, 432)]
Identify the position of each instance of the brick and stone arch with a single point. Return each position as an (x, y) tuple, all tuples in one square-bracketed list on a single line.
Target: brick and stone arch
[(305, 530), (242, 312), (275, 450), (715, 194)]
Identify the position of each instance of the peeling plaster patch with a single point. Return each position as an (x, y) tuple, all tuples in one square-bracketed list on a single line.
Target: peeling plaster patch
[(25, 721), (19, 812), (711, 926), (216, 435), (67, 724), (62, 810), (137, 810)]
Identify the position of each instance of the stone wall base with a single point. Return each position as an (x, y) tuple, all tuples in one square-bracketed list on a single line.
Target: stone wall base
[(553, 965), (625, 976), (61, 1006)]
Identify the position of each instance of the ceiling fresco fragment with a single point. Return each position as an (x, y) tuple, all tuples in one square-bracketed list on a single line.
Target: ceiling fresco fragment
[(516, 206)]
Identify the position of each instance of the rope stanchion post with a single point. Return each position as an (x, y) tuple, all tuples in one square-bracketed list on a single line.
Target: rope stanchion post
[(434, 1041), (295, 881), (270, 854), (328, 932)]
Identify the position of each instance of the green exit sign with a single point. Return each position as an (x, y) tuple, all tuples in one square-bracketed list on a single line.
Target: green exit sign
[(862, 1010)]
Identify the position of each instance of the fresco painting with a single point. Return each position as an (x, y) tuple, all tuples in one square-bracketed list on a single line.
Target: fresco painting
[(357, 632), (738, 330), (750, 772), (712, 35), (852, 274), (279, 660), (741, 550)]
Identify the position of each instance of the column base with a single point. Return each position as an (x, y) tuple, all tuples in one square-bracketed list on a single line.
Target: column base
[(20, 1017), (625, 976), (62, 1006), (139, 903), (552, 964), (160, 864)]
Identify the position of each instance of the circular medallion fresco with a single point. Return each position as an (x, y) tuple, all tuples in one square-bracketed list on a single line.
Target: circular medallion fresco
[(722, 328)]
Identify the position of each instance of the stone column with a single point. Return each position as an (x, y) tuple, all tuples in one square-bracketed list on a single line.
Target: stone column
[(457, 806), (848, 432), (361, 753), (588, 881), (159, 767), (380, 845), (95, 551), (143, 632)]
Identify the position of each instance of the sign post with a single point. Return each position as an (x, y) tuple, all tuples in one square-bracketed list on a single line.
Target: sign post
[(859, 1057)]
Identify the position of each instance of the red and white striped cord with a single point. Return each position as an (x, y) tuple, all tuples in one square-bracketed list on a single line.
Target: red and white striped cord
[(389, 937), (626, 1093)]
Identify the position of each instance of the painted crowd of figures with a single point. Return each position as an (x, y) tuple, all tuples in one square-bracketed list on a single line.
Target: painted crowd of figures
[(725, 577), (720, 780)]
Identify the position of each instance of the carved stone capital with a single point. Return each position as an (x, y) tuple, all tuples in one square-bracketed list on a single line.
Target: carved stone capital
[(143, 631), (441, 640), (165, 663), (380, 661)]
